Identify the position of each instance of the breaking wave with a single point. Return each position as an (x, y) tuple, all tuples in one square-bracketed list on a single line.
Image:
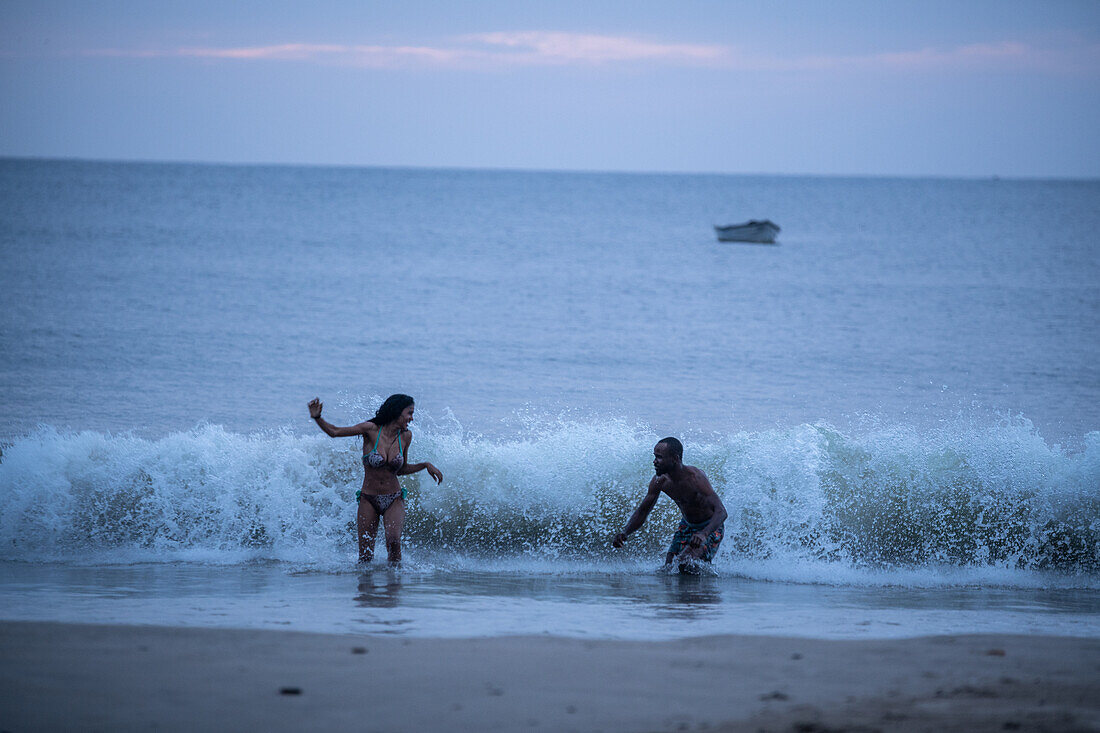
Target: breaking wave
[(814, 501)]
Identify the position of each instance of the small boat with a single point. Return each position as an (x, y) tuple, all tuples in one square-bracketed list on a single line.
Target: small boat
[(762, 232)]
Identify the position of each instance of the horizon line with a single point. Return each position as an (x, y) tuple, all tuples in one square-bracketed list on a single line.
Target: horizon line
[(520, 169)]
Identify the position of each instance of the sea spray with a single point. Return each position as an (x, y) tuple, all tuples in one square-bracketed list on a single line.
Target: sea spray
[(807, 496), (64, 495)]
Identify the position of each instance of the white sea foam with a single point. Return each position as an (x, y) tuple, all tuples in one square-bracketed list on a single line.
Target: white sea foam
[(965, 504)]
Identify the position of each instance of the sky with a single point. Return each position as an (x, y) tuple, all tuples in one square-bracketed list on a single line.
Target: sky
[(840, 87)]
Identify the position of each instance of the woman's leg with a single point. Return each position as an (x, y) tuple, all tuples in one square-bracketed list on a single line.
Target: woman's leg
[(367, 520), (394, 521)]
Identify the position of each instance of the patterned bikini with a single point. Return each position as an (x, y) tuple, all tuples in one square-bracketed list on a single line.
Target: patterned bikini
[(374, 459)]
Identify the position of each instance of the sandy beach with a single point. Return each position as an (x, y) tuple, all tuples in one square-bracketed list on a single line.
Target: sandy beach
[(84, 677)]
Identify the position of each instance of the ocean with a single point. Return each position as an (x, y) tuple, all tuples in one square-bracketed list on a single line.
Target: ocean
[(899, 403)]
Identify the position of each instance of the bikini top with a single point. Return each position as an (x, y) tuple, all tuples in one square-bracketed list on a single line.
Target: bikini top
[(374, 459)]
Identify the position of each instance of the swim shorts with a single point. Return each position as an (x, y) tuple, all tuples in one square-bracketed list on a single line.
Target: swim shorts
[(687, 530)]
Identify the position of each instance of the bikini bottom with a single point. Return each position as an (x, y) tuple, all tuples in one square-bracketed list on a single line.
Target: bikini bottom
[(380, 502)]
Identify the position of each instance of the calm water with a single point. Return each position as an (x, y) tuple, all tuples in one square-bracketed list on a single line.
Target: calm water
[(153, 297), (904, 393), (450, 602)]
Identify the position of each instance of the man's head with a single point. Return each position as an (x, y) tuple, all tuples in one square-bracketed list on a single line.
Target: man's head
[(668, 454)]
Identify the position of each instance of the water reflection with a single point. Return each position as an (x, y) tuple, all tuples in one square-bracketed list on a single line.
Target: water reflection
[(697, 590), (664, 589), (379, 589), (427, 601)]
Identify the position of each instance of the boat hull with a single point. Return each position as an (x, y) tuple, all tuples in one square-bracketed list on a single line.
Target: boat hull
[(757, 232)]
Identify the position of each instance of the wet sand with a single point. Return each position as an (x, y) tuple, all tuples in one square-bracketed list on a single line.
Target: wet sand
[(83, 677)]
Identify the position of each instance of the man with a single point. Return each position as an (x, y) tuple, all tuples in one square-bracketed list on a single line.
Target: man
[(700, 531)]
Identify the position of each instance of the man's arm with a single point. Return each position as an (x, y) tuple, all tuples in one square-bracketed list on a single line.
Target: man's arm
[(715, 522), (640, 514)]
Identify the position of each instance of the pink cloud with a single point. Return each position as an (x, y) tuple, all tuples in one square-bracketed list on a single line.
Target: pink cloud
[(971, 56), (349, 55), (527, 48), (292, 51), (554, 48)]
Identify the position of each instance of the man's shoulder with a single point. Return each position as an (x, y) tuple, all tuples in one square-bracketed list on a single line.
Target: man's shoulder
[(697, 476), (660, 482)]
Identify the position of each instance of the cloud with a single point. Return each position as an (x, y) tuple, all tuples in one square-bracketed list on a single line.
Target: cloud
[(549, 47), (961, 57), (344, 55), (513, 49), (485, 50)]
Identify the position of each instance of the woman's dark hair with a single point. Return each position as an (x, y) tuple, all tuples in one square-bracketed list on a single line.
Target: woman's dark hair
[(391, 409)]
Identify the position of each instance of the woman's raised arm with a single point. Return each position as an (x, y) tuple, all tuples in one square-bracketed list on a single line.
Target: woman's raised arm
[(315, 407)]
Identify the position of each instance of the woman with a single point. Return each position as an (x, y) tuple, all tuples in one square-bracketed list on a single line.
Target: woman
[(381, 495)]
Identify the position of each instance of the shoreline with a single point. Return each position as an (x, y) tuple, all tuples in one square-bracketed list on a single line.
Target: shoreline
[(84, 677)]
